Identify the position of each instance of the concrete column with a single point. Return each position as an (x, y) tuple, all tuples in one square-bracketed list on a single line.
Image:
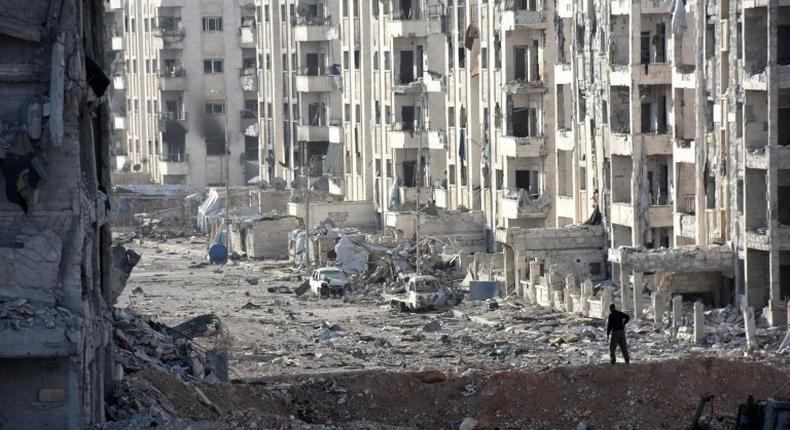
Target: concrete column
[(534, 278), (659, 308), (638, 285), (606, 300), (587, 291), (677, 313), (625, 288), (748, 321), (699, 322)]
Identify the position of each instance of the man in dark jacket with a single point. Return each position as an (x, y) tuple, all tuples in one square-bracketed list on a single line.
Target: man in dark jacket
[(615, 327)]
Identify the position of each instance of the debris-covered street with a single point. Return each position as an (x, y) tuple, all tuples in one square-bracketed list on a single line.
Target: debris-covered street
[(276, 337)]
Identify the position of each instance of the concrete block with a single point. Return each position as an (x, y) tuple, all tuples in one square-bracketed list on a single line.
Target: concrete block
[(748, 320), (638, 285), (659, 308), (699, 322), (677, 313)]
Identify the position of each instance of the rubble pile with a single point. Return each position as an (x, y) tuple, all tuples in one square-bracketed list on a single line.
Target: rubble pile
[(141, 343), (23, 313)]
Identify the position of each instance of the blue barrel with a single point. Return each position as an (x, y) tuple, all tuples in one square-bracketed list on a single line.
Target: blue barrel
[(217, 253)]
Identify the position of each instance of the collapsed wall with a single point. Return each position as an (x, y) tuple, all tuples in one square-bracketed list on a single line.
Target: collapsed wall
[(55, 292)]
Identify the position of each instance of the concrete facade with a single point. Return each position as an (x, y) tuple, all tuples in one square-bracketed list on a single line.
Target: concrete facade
[(56, 362), (185, 90)]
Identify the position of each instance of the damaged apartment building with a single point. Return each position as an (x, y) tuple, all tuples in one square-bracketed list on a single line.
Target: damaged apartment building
[(184, 94), (676, 117), (657, 122), (55, 296), (399, 100)]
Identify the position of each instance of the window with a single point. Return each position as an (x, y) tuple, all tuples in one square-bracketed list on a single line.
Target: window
[(461, 57), (451, 116), (484, 58), (147, 66), (212, 23), (266, 13), (386, 60), (212, 66), (345, 7), (215, 108), (357, 59), (136, 105), (131, 26), (145, 24), (375, 57)]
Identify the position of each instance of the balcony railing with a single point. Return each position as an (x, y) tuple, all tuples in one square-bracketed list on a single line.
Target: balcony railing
[(174, 72), (173, 157), (333, 70), (522, 5), (314, 20), (172, 116), (249, 114)]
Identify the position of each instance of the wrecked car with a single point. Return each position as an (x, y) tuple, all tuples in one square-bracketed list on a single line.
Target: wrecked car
[(424, 293), (328, 282)]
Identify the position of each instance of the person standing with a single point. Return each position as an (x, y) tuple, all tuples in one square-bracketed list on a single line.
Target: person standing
[(615, 333)]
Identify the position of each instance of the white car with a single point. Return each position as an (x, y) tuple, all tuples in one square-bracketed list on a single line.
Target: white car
[(328, 281)]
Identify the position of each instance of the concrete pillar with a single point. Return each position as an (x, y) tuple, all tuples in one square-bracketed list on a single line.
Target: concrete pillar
[(606, 300), (637, 292), (587, 291), (748, 321), (570, 288), (625, 288), (699, 322), (534, 278), (659, 308), (677, 313)]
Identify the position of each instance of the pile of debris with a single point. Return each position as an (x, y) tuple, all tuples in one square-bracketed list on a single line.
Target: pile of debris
[(141, 343), (24, 314)]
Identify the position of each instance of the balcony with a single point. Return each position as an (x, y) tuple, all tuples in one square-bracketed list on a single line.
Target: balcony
[(654, 7), (563, 74), (173, 80), (248, 121), (621, 144), (441, 197), (318, 83), (652, 74), (247, 37), (116, 43), (518, 203), (684, 151), (119, 122), (315, 29), (684, 76), (522, 14), (620, 7), (172, 121), (173, 164), (660, 216), (171, 32), (564, 140), (415, 23), (249, 80), (428, 83), (620, 75), (520, 147), (566, 207), (405, 138), (622, 214), (523, 86), (658, 143), (119, 82), (755, 81), (757, 158), (320, 133)]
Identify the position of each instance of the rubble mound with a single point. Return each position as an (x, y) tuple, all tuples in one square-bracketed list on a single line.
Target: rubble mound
[(661, 394)]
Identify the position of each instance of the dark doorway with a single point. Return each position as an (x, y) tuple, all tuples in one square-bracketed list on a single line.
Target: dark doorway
[(312, 64), (521, 122), (405, 9), (523, 179), (783, 205), (646, 123), (520, 62), (406, 67), (407, 114), (409, 173), (644, 53), (419, 59)]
